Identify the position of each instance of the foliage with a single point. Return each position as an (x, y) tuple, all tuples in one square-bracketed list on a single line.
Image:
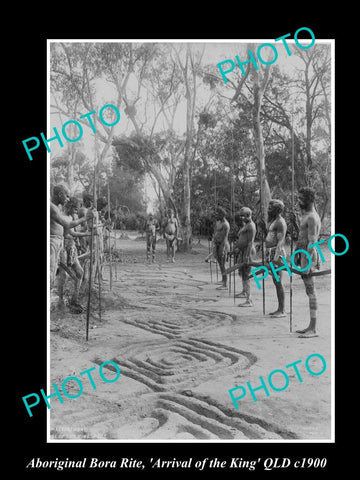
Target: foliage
[(214, 154)]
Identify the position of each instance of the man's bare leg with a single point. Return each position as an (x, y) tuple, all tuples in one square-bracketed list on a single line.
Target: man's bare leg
[(310, 330), (280, 293), (148, 248), (221, 261), (153, 249), (79, 273), (61, 286), (167, 250), (246, 287)]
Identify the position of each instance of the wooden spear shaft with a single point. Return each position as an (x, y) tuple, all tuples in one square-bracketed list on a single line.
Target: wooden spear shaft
[(230, 273), (262, 242), (109, 227), (99, 237), (116, 216), (210, 261), (91, 262), (292, 208)]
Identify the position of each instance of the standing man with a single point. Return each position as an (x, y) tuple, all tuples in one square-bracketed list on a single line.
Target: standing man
[(69, 257), (151, 227), (244, 250), (171, 234), (221, 243), (275, 249), (92, 215), (309, 230), (57, 224)]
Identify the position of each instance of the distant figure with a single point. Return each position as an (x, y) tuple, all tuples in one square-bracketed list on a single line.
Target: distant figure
[(221, 244), (151, 227), (171, 235)]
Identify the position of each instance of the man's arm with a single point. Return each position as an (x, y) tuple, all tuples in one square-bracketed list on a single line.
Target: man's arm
[(311, 229), (250, 235), (225, 229), (82, 234), (58, 218), (280, 237)]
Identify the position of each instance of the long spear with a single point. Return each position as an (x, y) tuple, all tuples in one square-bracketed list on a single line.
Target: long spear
[(262, 241), (99, 271), (292, 208), (230, 274), (99, 238), (234, 279), (116, 216), (91, 257), (210, 260), (109, 227)]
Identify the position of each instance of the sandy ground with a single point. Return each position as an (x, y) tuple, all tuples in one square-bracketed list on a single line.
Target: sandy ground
[(181, 345)]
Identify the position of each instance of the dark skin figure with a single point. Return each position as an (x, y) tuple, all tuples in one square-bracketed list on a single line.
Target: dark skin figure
[(309, 230), (244, 246), (220, 243), (275, 238)]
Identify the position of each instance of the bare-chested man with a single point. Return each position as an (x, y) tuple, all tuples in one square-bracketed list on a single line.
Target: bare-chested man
[(244, 250), (275, 249), (98, 244), (151, 227), (309, 231), (171, 234), (57, 224), (69, 256), (221, 243)]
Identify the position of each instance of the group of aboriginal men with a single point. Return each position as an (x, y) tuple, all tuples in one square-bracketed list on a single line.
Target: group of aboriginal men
[(72, 222), (307, 233), (71, 226)]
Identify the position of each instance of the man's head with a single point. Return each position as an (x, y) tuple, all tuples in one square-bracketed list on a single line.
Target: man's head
[(101, 203), (245, 214), (275, 208), (87, 200), (151, 216), (61, 194), (82, 212), (238, 219), (73, 205), (220, 213), (170, 212), (306, 197)]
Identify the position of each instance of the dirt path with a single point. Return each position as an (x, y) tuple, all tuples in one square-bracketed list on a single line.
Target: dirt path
[(181, 345)]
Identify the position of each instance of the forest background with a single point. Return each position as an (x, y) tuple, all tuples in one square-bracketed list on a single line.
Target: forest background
[(186, 139)]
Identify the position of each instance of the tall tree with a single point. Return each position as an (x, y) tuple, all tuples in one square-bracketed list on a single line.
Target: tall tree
[(260, 81), (312, 84), (76, 69), (189, 64)]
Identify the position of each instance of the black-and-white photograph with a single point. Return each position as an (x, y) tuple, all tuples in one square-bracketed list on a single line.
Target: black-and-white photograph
[(191, 240)]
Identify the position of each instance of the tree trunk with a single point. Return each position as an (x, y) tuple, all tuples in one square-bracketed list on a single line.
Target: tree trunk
[(259, 141), (186, 222), (189, 74)]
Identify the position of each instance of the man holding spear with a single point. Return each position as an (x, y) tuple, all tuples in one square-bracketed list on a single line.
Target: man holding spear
[(69, 261), (244, 251), (221, 244), (309, 230), (275, 249), (58, 221)]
